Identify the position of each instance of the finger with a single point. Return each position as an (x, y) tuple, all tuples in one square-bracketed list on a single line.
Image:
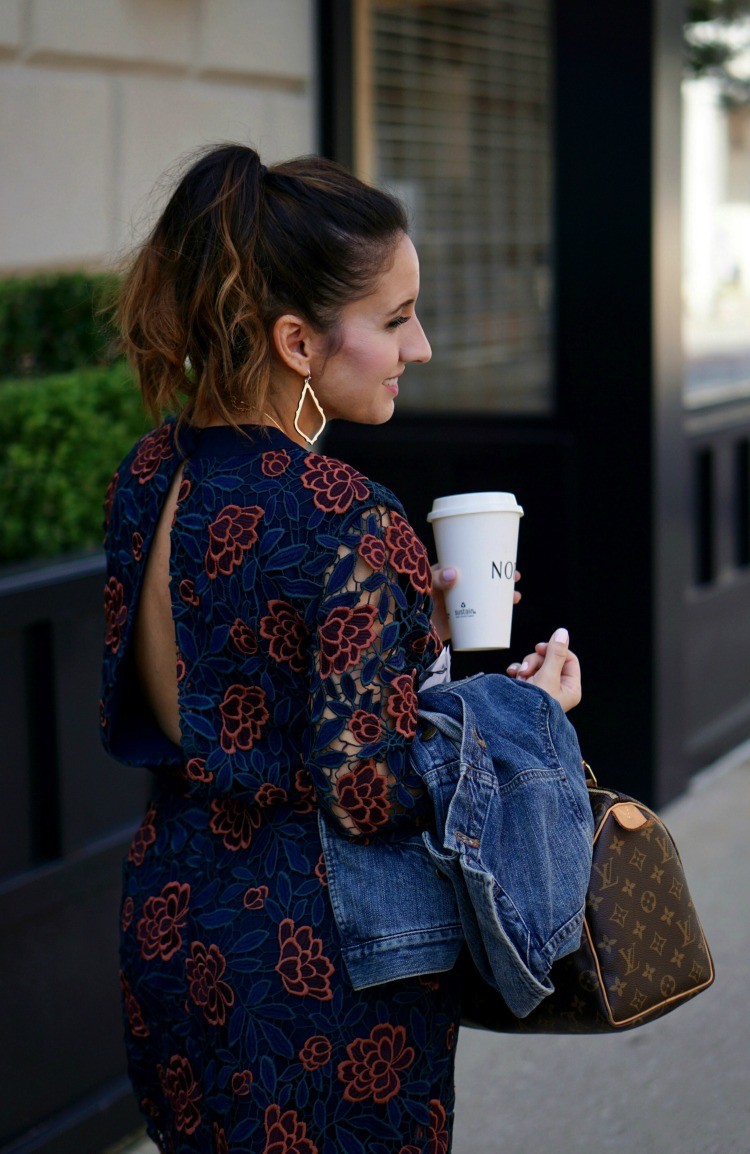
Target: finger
[(556, 653), (443, 578), (517, 576), (530, 665), (517, 597)]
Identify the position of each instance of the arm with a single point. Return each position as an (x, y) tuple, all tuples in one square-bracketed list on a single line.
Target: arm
[(373, 634)]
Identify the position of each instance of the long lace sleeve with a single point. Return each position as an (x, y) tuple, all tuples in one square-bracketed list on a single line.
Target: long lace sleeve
[(373, 638)]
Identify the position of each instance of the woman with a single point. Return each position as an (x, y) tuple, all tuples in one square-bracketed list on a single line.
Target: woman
[(268, 618)]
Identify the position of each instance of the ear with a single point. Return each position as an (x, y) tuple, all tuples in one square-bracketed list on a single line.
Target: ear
[(295, 343)]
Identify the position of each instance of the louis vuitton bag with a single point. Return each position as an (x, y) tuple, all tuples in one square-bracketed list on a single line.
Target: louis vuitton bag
[(642, 952)]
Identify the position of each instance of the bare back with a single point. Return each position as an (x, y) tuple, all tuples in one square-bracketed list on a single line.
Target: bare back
[(155, 642)]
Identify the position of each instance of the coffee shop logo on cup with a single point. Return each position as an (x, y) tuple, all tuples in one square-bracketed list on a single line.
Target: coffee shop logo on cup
[(505, 570)]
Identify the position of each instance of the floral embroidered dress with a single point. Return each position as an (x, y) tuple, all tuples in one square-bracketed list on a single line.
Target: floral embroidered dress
[(300, 597)]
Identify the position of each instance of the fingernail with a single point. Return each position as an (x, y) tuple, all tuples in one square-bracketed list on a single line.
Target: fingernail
[(515, 665), (561, 635), (449, 574), (524, 666)]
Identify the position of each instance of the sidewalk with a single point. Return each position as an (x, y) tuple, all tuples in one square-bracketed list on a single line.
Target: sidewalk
[(678, 1086)]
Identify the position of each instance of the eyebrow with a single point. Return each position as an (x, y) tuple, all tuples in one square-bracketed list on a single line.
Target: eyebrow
[(404, 305)]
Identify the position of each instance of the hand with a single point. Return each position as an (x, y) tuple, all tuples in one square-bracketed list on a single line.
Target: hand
[(552, 667), (443, 579)]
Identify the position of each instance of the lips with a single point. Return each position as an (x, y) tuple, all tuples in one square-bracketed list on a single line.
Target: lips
[(392, 385)]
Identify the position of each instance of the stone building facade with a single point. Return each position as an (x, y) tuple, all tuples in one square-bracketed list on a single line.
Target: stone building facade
[(99, 97)]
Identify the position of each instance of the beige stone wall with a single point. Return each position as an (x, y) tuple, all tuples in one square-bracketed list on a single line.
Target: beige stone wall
[(99, 97)]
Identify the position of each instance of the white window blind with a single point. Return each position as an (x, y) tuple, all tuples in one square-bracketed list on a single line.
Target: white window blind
[(455, 120)]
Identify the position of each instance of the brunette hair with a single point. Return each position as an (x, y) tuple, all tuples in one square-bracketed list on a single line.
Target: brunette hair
[(237, 246)]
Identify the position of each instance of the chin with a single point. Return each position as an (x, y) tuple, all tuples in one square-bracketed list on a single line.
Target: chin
[(376, 417)]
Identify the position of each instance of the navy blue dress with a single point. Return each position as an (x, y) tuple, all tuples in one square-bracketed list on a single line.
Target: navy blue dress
[(301, 602)]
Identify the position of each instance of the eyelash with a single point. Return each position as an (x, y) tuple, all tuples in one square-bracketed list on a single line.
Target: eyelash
[(397, 322)]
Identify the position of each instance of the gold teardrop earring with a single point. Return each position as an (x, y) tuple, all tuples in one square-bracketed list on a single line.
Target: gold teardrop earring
[(307, 388)]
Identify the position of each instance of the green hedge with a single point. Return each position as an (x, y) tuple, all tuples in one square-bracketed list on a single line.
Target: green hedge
[(61, 438), (54, 323)]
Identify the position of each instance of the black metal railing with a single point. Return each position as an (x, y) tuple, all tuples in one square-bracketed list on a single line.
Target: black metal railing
[(67, 814)]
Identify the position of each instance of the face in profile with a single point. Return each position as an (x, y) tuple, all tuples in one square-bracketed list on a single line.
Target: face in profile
[(378, 336)]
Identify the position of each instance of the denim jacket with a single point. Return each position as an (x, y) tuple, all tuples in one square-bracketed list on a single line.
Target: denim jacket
[(507, 864)]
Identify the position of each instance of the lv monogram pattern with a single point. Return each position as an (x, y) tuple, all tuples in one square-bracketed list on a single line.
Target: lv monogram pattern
[(642, 952)]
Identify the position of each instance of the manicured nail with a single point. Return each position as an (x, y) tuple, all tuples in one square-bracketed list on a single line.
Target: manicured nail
[(524, 667), (449, 574), (561, 635), (515, 665)]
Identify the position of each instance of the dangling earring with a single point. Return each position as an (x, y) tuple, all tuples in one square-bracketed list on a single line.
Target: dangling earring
[(307, 388)]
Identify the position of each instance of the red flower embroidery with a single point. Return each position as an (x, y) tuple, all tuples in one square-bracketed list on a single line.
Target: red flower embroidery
[(136, 544), (421, 643), (269, 795), (109, 497), (438, 1136), (304, 968), (410, 1150), (288, 635), (429, 981), (234, 822), (363, 794), (285, 1133), (365, 727), (372, 550), (334, 485), (184, 493), (373, 1066), (255, 897), (344, 636), (115, 613), (321, 872), (408, 554), (154, 449), (180, 667), (204, 970), (304, 792), (316, 1052), (196, 770), (128, 912), (230, 536), (243, 638), (182, 1092), (242, 1081), (158, 930), (243, 714), (186, 589), (221, 1144), (144, 836), (275, 462), (401, 705), (133, 1012)]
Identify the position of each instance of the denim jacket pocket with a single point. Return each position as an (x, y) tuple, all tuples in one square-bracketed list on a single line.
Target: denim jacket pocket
[(396, 914)]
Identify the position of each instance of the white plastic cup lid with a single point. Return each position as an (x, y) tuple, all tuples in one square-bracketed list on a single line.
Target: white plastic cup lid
[(462, 503)]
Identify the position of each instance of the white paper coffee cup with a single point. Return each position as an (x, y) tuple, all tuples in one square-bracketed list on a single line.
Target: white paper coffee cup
[(477, 534)]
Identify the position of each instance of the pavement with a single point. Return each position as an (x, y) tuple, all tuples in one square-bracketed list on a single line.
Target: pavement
[(680, 1085)]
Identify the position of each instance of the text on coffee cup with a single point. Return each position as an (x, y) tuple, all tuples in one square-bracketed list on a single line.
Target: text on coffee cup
[(506, 569)]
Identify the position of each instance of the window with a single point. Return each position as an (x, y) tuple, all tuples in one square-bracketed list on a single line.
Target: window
[(454, 117), (716, 202)]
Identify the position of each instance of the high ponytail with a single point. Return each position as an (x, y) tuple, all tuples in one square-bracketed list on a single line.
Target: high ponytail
[(237, 246)]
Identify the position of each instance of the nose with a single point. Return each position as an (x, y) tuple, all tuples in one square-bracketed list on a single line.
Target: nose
[(418, 347)]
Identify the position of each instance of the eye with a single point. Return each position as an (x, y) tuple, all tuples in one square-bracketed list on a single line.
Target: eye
[(397, 322)]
